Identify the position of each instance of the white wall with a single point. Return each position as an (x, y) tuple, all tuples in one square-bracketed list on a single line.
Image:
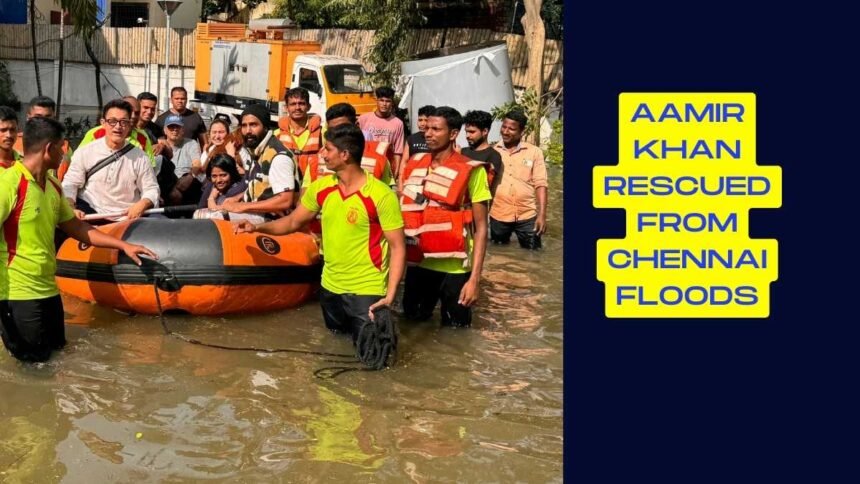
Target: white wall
[(79, 81)]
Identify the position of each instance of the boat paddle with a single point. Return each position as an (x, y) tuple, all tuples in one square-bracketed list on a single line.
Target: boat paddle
[(176, 209)]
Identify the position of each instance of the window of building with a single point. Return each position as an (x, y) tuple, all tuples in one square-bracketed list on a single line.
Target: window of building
[(126, 14)]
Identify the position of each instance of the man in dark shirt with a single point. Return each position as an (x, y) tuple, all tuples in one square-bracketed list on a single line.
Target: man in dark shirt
[(477, 125), (194, 126), (415, 142)]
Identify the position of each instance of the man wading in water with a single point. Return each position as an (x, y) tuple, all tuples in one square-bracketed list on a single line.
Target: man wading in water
[(31, 206), (363, 236)]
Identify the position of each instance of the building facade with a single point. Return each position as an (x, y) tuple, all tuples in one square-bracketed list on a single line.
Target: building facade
[(119, 13)]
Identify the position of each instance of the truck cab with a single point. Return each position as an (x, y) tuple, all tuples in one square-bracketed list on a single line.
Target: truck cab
[(332, 79), (237, 66)]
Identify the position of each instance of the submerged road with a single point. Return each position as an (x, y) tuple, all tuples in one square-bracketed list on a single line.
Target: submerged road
[(124, 403)]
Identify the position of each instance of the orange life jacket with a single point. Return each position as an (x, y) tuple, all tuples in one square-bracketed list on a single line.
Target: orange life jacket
[(436, 208), (311, 148), (376, 155)]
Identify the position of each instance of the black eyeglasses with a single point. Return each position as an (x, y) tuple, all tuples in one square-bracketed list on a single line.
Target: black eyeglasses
[(125, 123)]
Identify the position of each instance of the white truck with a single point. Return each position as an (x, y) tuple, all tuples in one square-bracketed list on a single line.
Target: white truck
[(238, 65)]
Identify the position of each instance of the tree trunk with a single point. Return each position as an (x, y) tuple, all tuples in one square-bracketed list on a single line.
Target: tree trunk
[(535, 40), (33, 44), (88, 43)]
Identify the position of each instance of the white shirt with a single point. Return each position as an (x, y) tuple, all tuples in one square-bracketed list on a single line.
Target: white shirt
[(117, 186)]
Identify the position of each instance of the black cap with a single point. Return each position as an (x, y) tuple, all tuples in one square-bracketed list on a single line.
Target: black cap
[(260, 112)]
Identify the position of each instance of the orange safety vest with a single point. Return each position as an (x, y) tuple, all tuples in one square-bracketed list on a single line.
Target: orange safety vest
[(436, 208), (311, 149), (376, 155)]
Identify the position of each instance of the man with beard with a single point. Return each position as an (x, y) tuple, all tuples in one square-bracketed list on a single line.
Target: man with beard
[(269, 170), (477, 125)]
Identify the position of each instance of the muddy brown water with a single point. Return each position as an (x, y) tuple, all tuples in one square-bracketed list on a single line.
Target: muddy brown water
[(124, 403)]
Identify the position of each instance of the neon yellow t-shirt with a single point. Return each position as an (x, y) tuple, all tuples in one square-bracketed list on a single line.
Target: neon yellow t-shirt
[(29, 214), (479, 191), (16, 157), (356, 251)]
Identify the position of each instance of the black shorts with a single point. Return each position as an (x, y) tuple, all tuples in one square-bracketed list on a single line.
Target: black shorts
[(500, 232), (33, 329), (425, 287), (347, 313)]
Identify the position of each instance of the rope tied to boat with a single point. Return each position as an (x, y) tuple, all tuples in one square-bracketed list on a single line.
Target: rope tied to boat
[(375, 342)]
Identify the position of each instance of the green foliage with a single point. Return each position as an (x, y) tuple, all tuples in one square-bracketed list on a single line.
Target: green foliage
[(554, 152), (7, 95), (529, 104), (391, 19), (552, 14), (84, 14), (535, 110), (231, 7), (75, 130)]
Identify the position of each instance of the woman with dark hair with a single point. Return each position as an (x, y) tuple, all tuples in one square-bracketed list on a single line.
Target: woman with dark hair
[(220, 141), (223, 182)]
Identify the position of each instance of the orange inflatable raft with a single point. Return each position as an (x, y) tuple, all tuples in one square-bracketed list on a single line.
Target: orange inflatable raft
[(203, 269)]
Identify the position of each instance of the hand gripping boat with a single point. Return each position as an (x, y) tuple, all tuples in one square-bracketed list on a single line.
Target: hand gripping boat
[(202, 269)]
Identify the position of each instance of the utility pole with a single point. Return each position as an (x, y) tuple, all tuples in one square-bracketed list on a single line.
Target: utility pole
[(62, 64), (169, 6)]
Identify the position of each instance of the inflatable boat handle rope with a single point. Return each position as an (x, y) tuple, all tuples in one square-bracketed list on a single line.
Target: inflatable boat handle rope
[(376, 342)]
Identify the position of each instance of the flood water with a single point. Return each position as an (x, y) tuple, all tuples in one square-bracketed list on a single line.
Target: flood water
[(125, 403)]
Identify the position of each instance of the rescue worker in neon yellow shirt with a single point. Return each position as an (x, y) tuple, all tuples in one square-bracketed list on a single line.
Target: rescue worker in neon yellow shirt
[(32, 205), (136, 137), (8, 134), (45, 107), (362, 232)]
